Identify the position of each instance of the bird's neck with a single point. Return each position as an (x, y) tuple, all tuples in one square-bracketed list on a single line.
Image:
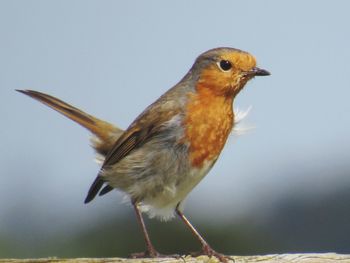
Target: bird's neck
[(209, 121)]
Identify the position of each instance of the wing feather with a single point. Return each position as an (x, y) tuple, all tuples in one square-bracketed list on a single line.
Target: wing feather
[(130, 140), (149, 124)]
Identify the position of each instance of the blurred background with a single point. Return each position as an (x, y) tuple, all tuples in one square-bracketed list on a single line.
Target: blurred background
[(284, 186)]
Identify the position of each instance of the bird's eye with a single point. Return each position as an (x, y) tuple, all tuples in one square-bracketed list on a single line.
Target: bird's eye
[(225, 65)]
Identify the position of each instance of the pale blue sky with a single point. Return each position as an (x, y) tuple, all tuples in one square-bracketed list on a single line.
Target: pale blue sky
[(113, 58)]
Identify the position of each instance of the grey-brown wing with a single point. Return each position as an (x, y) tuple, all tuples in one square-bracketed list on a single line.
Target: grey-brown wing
[(149, 124), (130, 140)]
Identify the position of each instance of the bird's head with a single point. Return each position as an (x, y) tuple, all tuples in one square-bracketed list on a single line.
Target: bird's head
[(225, 71)]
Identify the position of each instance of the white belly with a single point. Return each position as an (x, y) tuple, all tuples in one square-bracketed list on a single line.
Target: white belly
[(164, 204)]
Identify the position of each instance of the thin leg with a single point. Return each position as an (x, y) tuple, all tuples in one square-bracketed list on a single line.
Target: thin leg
[(150, 252), (206, 249)]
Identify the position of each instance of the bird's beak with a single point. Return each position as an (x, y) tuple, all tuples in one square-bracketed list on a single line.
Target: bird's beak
[(258, 72)]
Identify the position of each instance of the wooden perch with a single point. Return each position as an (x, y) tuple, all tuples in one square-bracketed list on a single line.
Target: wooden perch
[(274, 258)]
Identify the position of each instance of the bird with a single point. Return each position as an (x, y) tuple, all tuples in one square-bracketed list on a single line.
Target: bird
[(172, 145)]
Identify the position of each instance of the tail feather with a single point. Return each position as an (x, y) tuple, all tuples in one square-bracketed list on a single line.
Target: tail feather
[(94, 189), (106, 190), (106, 133)]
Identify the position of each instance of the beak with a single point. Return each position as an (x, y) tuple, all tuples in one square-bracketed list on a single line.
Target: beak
[(258, 72)]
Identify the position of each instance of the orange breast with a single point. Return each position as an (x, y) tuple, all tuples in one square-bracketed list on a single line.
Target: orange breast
[(208, 123)]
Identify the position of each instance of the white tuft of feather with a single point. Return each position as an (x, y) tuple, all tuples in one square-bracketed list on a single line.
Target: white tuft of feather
[(239, 127)]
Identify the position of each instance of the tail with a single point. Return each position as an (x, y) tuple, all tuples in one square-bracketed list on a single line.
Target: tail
[(105, 133)]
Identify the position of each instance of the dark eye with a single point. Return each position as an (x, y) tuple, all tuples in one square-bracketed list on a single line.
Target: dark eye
[(225, 65)]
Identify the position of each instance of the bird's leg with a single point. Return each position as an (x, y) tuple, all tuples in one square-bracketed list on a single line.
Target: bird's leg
[(150, 252), (206, 249)]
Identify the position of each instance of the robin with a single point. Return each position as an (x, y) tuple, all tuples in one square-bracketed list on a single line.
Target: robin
[(168, 149)]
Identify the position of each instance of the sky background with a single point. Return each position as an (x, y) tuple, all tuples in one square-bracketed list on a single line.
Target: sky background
[(114, 58)]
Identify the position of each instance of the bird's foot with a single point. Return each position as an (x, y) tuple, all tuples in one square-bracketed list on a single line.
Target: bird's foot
[(208, 251)]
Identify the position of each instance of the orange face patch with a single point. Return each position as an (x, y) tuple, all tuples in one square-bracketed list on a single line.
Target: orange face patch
[(209, 119), (241, 61), (227, 83)]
